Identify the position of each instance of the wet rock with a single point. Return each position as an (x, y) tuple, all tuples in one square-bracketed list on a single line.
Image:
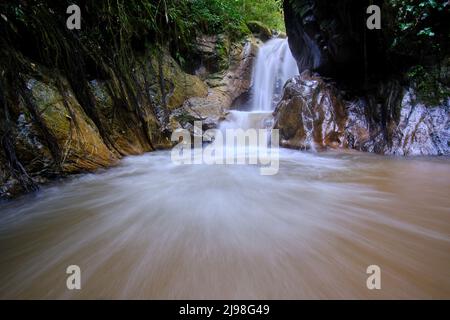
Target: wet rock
[(420, 129), (79, 141), (29, 145), (123, 127), (310, 115), (224, 88), (313, 115), (51, 137)]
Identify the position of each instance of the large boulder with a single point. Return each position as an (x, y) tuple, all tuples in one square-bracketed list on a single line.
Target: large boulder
[(49, 135), (310, 115)]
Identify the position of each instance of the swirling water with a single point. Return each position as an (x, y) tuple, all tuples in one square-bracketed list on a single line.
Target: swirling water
[(152, 229)]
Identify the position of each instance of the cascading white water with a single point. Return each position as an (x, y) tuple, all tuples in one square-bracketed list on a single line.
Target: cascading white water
[(273, 67), (246, 120)]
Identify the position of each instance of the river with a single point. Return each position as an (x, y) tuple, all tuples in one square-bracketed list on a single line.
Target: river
[(153, 229)]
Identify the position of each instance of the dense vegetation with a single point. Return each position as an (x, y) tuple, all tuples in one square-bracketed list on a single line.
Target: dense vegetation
[(412, 44), (113, 26), (421, 33), (416, 31), (112, 33)]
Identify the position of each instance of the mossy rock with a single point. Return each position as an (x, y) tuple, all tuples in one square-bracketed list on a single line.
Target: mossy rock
[(260, 30), (213, 52), (428, 89), (78, 138), (179, 86)]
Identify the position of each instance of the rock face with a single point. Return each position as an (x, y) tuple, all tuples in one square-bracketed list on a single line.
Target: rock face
[(213, 52), (312, 115), (80, 144), (419, 130), (47, 132), (179, 85), (224, 87), (51, 136), (329, 37)]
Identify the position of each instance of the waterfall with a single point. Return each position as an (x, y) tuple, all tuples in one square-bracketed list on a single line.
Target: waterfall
[(273, 67)]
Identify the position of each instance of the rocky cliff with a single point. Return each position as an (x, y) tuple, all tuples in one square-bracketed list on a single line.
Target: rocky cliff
[(47, 132), (314, 115), (353, 93), (330, 37)]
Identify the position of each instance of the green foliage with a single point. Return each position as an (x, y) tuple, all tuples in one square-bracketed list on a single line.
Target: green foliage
[(429, 89), (214, 16), (420, 22), (268, 12), (120, 21), (421, 35), (218, 16), (113, 30)]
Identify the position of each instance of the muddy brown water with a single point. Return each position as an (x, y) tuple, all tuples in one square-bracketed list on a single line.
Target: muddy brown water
[(152, 229)]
